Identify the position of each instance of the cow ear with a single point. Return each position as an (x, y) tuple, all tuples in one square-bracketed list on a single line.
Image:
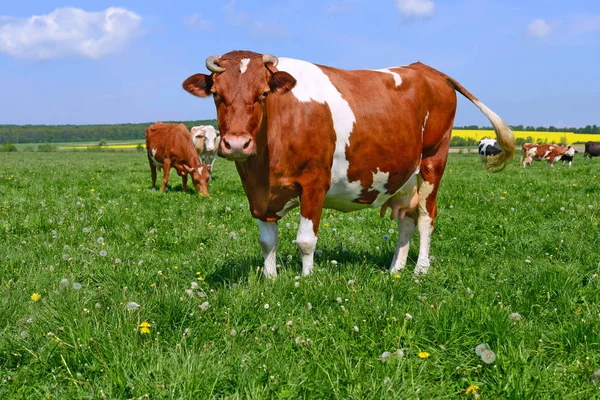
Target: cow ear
[(198, 85), (281, 82)]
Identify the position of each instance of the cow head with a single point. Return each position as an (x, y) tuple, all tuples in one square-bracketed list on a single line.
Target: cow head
[(240, 83), (200, 177)]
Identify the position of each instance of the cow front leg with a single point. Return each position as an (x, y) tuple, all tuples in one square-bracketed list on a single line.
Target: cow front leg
[(166, 170), (406, 230), (268, 244), (184, 179), (311, 207), (152, 172)]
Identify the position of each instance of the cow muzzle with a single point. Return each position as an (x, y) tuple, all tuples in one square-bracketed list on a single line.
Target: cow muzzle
[(237, 147)]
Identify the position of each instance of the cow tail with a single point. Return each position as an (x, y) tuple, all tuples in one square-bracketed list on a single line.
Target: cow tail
[(504, 135)]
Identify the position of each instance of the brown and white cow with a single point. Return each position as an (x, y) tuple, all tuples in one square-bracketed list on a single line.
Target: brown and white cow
[(549, 152), (206, 141), (170, 146), (318, 137)]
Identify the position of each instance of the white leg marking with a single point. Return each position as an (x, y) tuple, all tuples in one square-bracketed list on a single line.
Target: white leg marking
[(406, 229), (268, 244), (425, 228), (244, 65), (306, 240)]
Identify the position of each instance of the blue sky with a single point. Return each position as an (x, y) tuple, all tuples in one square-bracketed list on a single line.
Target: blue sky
[(533, 62)]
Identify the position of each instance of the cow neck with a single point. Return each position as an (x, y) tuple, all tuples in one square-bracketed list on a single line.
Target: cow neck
[(254, 173)]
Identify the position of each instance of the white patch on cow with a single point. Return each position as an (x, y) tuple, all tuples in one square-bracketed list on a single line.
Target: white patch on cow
[(424, 123), (570, 151), (314, 85), (306, 240), (200, 170), (397, 78), (159, 164), (291, 204), (244, 65), (425, 189), (380, 179), (268, 244)]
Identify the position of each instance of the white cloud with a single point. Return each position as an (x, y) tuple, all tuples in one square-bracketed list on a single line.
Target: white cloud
[(416, 8), (195, 20), (234, 16), (261, 29), (67, 32), (539, 28)]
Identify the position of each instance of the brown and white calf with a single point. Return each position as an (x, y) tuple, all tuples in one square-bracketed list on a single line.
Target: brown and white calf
[(206, 141), (549, 152), (318, 137), (170, 146)]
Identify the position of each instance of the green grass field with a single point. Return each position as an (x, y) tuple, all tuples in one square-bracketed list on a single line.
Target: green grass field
[(83, 234)]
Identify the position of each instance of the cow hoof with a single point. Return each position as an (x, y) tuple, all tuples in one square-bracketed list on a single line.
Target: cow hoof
[(421, 269)]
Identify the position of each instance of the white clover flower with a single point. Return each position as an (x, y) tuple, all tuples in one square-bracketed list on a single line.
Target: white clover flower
[(205, 306), (194, 285), (562, 209), (408, 317), (87, 230), (542, 200), (233, 332), (515, 316), (103, 253), (132, 305), (297, 284), (289, 324), (299, 340), (30, 320), (309, 306), (266, 306), (189, 292), (297, 278), (385, 356), (67, 247), (97, 305), (480, 348), (233, 235), (488, 356), (117, 261), (65, 257), (100, 240), (333, 262), (339, 299), (64, 282), (228, 209), (355, 329), (590, 206), (77, 285), (351, 282), (399, 353)]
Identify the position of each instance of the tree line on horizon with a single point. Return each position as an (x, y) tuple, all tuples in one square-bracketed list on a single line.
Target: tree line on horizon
[(137, 131)]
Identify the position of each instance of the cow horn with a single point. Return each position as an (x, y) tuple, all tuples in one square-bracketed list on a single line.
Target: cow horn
[(212, 64), (269, 58)]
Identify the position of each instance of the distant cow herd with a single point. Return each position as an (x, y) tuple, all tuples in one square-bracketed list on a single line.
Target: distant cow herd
[(551, 153)]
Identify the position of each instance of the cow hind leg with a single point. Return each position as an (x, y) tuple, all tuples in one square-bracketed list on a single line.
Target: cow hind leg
[(166, 170), (184, 180), (311, 207), (432, 168)]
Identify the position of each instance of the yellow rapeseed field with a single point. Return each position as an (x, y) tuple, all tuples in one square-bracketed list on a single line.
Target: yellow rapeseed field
[(549, 137)]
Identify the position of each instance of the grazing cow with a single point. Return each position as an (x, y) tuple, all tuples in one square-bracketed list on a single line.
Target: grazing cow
[(206, 141), (548, 152), (592, 149), (317, 137), (487, 148), (169, 145)]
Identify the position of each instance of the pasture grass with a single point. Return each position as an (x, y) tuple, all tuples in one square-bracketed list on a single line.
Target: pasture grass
[(85, 232)]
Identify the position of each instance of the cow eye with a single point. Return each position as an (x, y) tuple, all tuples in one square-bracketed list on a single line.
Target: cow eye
[(263, 95)]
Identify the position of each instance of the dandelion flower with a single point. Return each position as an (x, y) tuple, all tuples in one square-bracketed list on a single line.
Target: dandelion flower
[(408, 317), (595, 378), (480, 348), (266, 306), (351, 239), (299, 340), (233, 332), (132, 305), (333, 262), (385, 356), (424, 354), (145, 327), (100, 240), (297, 284), (87, 230), (386, 238), (194, 285), (205, 306), (103, 253), (65, 257), (515, 316), (471, 389), (64, 282), (488, 356), (399, 353), (309, 306), (387, 381), (355, 328), (36, 296), (77, 285)]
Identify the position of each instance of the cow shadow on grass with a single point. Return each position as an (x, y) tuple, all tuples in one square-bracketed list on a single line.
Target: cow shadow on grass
[(233, 271)]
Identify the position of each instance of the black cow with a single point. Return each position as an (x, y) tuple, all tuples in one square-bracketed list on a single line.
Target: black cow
[(592, 149)]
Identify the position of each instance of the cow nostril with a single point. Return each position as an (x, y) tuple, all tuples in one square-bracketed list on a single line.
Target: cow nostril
[(246, 144), (227, 145)]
